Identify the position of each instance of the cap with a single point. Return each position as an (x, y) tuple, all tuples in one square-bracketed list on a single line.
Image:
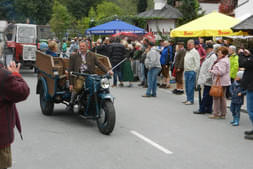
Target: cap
[(240, 74), (196, 42)]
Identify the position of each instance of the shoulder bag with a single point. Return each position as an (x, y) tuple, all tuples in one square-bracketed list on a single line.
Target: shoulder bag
[(216, 89)]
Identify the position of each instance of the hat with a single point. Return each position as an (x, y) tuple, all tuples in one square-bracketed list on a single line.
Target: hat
[(240, 74), (196, 42), (43, 46)]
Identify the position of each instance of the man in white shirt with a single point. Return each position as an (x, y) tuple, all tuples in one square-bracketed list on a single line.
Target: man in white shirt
[(191, 67)]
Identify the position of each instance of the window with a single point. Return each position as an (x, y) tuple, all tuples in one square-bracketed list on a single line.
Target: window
[(26, 35)]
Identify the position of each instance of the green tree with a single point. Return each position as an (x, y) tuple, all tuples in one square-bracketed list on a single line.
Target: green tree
[(39, 11), (142, 5), (80, 8), (61, 20), (190, 10), (106, 9)]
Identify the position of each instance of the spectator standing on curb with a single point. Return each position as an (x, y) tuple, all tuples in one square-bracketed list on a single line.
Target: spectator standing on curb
[(179, 68), (220, 72), (234, 66), (205, 79), (116, 53), (13, 89), (165, 63), (142, 63), (246, 61), (152, 63), (237, 94), (191, 67)]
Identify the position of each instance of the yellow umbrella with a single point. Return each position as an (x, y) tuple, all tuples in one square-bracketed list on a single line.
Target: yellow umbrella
[(213, 24)]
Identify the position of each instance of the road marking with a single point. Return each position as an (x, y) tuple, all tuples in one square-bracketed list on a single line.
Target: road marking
[(166, 151)]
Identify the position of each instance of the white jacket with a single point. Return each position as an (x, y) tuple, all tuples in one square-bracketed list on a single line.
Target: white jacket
[(192, 60), (205, 77)]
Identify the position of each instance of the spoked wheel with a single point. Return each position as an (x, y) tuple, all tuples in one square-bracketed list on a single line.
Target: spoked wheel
[(46, 105), (106, 122)]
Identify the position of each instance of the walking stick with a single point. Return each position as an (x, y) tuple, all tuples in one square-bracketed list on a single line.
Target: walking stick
[(119, 63)]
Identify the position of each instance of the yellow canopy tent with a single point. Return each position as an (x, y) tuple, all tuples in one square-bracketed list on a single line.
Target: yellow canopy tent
[(213, 24)]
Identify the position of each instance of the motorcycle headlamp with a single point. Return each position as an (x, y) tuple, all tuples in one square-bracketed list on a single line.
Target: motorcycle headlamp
[(105, 83)]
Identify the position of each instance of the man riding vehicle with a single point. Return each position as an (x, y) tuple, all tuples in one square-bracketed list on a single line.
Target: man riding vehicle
[(83, 62)]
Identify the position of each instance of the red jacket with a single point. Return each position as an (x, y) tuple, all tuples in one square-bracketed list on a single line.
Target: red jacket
[(13, 89)]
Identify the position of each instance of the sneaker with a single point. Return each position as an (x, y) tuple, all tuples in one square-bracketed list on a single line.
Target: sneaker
[(188, 103), (175, 91), (180, 92), (121, 85), (249, 137), (214, 116), (222, 116), (184, 101), (198, 112), (248, 132), (146, 95)]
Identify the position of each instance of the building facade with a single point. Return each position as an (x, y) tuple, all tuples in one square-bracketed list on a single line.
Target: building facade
[(162, 18), (244, 9)]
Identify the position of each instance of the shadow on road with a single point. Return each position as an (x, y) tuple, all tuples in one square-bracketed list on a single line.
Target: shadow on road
[(71, 118)]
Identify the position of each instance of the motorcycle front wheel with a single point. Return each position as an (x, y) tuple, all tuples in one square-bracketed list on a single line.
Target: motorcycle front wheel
[(106, 122)]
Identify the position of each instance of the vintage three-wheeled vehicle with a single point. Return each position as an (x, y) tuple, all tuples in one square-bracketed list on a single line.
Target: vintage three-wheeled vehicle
[(93, 101)]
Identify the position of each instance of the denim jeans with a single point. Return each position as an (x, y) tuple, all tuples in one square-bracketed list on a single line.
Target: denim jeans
[(206, 104), (235, 109), (190, 79), (250, 105), (117, 74), (152, 81)]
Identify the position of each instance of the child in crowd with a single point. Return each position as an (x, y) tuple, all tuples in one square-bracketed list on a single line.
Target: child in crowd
[(237, 94)]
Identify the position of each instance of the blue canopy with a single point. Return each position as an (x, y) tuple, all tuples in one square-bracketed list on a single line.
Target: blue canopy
[(113, 27)]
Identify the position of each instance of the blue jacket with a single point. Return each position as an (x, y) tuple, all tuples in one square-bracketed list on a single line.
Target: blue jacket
[(49, 52), (164, 56), (235, 88)]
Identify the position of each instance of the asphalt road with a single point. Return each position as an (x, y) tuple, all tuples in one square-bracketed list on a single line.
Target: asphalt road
[(150, 133)]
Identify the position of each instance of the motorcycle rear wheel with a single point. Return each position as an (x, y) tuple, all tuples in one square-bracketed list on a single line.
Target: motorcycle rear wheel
[(107, 120)]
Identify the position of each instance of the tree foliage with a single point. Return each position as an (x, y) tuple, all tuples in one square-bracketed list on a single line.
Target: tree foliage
[(61, 20), (106, 9), (39, 11), (142, 5), (190, 10), (128, 7), (171, 2), (80, 8)]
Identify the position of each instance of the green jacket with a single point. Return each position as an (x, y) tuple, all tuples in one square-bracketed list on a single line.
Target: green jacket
[(234, 65)]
